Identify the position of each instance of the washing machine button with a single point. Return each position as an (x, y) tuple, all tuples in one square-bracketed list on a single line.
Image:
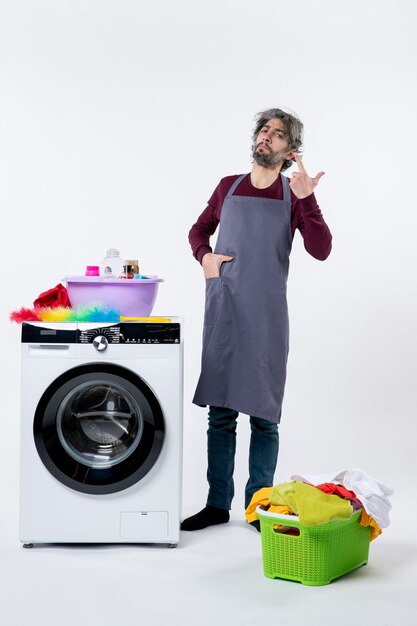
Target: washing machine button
[(100, 343)]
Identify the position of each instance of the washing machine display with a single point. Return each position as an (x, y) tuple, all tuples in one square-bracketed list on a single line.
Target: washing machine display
[(101, 432)]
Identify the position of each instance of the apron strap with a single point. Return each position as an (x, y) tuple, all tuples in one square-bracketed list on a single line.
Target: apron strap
[(235, 184), (286, 188)]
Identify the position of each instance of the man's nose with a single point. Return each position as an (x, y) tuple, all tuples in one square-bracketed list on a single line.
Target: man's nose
[(267, 137)]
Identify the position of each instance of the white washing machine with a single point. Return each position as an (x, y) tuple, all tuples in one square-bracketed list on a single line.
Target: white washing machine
[(101, 432)]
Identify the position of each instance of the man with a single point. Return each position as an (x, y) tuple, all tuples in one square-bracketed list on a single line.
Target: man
[(245, 338)]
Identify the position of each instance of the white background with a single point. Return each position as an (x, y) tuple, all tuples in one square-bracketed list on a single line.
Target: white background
[(117, 121)]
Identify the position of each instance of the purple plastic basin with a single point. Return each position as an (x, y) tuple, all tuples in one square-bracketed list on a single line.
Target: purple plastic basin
[(131, 297)]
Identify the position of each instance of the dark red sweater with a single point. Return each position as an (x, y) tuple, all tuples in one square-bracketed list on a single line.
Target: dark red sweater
[(305, 215)]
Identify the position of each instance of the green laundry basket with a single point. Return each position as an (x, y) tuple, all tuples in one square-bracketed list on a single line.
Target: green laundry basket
[(318, 554)]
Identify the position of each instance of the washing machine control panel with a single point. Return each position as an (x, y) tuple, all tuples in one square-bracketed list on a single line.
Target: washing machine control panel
[(131, 333), (128, 333), (100, 337)]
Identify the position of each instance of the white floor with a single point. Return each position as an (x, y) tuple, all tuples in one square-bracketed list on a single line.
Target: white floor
[(213, 577)]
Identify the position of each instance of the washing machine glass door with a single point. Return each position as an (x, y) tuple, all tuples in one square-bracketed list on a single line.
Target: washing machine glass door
[(99, 423), (99, 428)]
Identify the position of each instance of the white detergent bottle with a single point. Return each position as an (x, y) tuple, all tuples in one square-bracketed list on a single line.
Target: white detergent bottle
[(112, 265)]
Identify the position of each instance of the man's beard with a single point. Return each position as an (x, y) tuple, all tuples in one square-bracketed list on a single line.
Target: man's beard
[(269, 159)]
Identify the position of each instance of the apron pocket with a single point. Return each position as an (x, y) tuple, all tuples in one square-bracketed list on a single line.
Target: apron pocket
[(213, 294)]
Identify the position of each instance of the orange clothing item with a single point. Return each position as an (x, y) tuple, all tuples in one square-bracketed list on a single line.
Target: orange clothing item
[(367, 520), (261, 498)]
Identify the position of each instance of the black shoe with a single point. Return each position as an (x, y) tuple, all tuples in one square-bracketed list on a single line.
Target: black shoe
[(256, 524), (209, 516)]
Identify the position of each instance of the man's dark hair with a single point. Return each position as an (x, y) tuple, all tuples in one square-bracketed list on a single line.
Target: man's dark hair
[(293, 129)]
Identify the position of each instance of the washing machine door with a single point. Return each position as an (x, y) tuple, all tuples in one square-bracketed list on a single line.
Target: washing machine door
[(99, 428)]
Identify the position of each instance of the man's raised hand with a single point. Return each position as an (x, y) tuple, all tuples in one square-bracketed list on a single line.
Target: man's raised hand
[(301, 184)]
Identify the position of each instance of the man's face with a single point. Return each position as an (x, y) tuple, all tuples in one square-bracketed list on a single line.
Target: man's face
[(271, 144)]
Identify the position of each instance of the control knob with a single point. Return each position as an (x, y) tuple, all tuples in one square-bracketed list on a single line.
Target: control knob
[(100, 343)]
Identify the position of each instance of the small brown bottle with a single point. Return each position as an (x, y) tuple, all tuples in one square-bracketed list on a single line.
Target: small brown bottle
[(127, 272)]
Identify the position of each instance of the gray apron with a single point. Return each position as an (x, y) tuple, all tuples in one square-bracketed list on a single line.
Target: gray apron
[(245, 337)]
